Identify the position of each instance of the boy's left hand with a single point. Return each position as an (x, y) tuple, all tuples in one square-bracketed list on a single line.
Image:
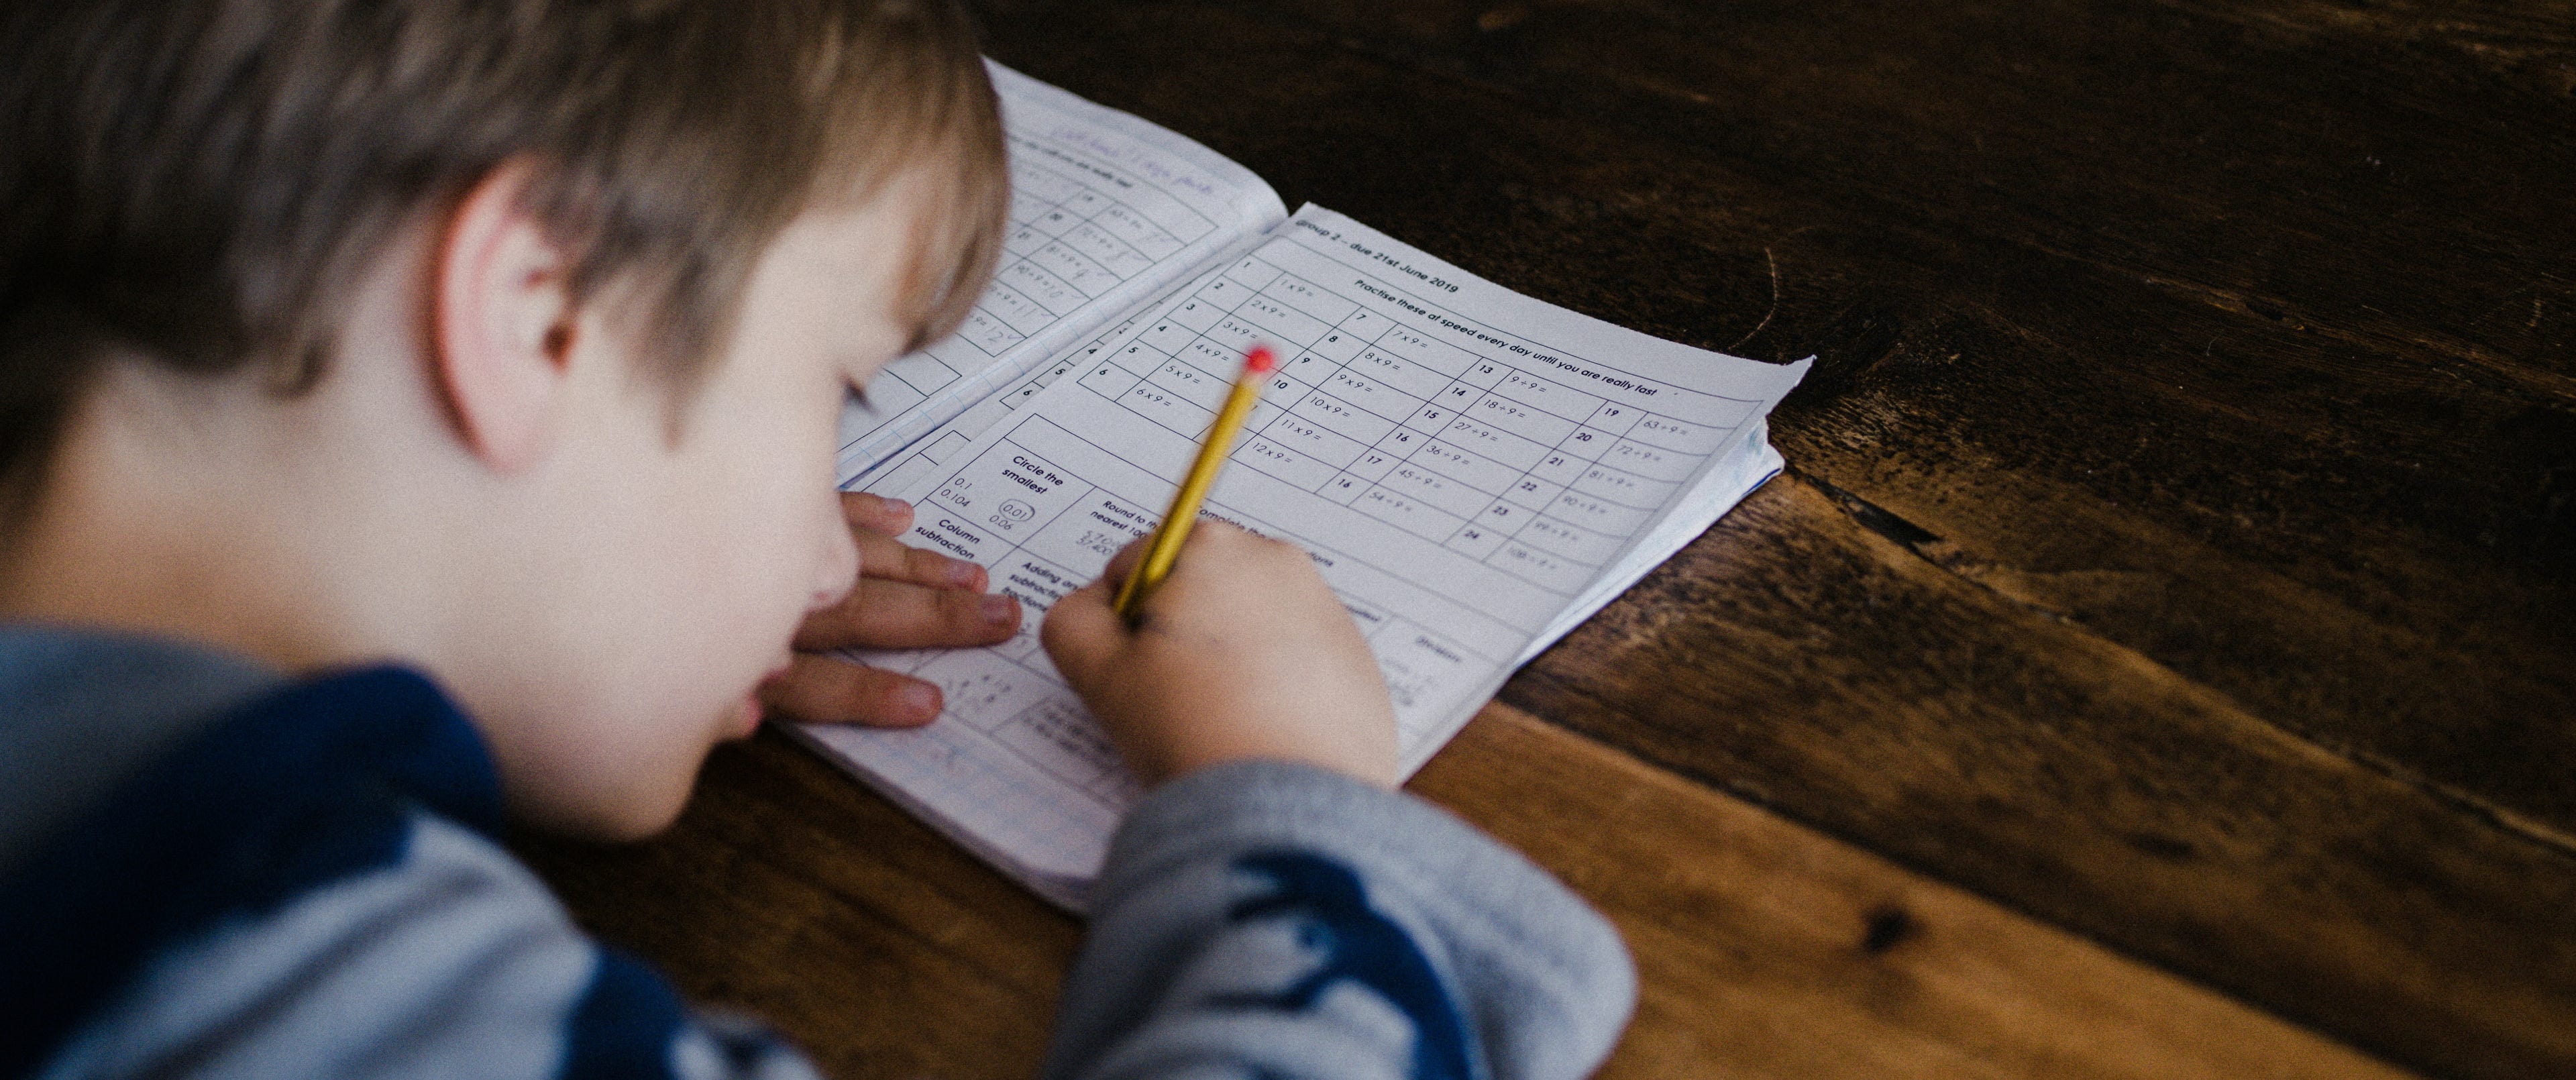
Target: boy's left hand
[(906, 598)]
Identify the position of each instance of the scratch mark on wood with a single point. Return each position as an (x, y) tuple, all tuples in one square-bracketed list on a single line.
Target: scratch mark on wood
[(1775, 302)]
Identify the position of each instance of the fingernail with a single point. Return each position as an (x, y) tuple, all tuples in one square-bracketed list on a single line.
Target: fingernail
[(1000, 610), (895, 506), (965, 574), (922, 699)]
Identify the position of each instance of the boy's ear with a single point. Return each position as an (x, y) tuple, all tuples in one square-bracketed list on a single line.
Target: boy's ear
[(502, 323)]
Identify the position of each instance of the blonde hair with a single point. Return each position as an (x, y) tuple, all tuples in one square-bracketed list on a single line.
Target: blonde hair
[(199, 181)]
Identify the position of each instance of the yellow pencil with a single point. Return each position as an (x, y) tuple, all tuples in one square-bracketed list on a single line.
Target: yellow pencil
[(1165, 546)]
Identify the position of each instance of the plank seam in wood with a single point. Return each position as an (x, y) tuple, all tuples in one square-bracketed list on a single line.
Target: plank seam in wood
[(2533, 386), (1688, 779), (1895, 529)]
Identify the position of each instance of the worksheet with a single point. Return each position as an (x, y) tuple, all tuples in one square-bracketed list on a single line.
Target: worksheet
[(1473, 471), (1107, 211)]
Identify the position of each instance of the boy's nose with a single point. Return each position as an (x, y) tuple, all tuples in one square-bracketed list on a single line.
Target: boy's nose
[(837, 569)]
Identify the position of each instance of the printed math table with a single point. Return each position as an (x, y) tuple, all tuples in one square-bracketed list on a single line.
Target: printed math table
[(1071, 242), (1487, 455)]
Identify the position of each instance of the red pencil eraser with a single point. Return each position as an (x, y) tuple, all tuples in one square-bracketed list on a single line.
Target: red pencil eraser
[(1259, 361)]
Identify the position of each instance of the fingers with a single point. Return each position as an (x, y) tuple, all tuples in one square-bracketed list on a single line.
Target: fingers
[(906, 597), (1082, 631), (1203, 535), (876, 522), (827, 690), (875, 513), (882, 556), (1124, 563), (882, 614), (1217, 554)]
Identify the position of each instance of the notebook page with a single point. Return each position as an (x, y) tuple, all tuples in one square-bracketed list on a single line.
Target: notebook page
[(1467, 466), (875, 476), (1753, 465), (1107, 211)]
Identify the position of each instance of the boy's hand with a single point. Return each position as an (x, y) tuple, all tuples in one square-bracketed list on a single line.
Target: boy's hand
[(1241, 653), (906, 598)]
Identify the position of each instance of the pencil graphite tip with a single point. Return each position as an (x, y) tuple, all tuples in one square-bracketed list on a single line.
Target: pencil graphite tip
[(1259, 361)]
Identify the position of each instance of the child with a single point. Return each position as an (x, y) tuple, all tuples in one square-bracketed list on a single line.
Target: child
[(417, 411)]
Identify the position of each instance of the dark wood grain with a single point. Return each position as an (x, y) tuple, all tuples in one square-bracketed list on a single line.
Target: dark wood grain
[(2369, 541), (2169, 604), (2117, 327), (1802, 660), (1765, 949)]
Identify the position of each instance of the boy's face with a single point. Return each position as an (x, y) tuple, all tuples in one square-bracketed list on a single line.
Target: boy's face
[(686, 564)]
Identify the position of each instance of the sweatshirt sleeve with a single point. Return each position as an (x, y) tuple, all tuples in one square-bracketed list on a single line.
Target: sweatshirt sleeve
[(1264, 920)]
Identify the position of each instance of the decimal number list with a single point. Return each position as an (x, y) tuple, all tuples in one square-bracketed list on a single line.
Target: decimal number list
[(1373, 411)]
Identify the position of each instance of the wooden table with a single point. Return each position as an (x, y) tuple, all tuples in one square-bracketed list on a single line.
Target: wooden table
[(2157, 659)]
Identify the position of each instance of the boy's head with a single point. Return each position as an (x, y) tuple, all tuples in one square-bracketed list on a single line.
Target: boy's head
[(502, 337)]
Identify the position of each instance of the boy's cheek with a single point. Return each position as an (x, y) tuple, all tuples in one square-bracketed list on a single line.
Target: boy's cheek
[(609, 789), (635, 811)]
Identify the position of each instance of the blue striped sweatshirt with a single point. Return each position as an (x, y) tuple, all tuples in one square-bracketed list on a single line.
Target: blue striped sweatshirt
[(208, 869)]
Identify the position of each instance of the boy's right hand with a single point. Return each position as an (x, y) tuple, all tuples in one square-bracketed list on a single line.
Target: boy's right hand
[(1242, 653)]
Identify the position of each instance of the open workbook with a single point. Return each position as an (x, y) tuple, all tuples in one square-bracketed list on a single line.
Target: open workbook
[(1474, 471)]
